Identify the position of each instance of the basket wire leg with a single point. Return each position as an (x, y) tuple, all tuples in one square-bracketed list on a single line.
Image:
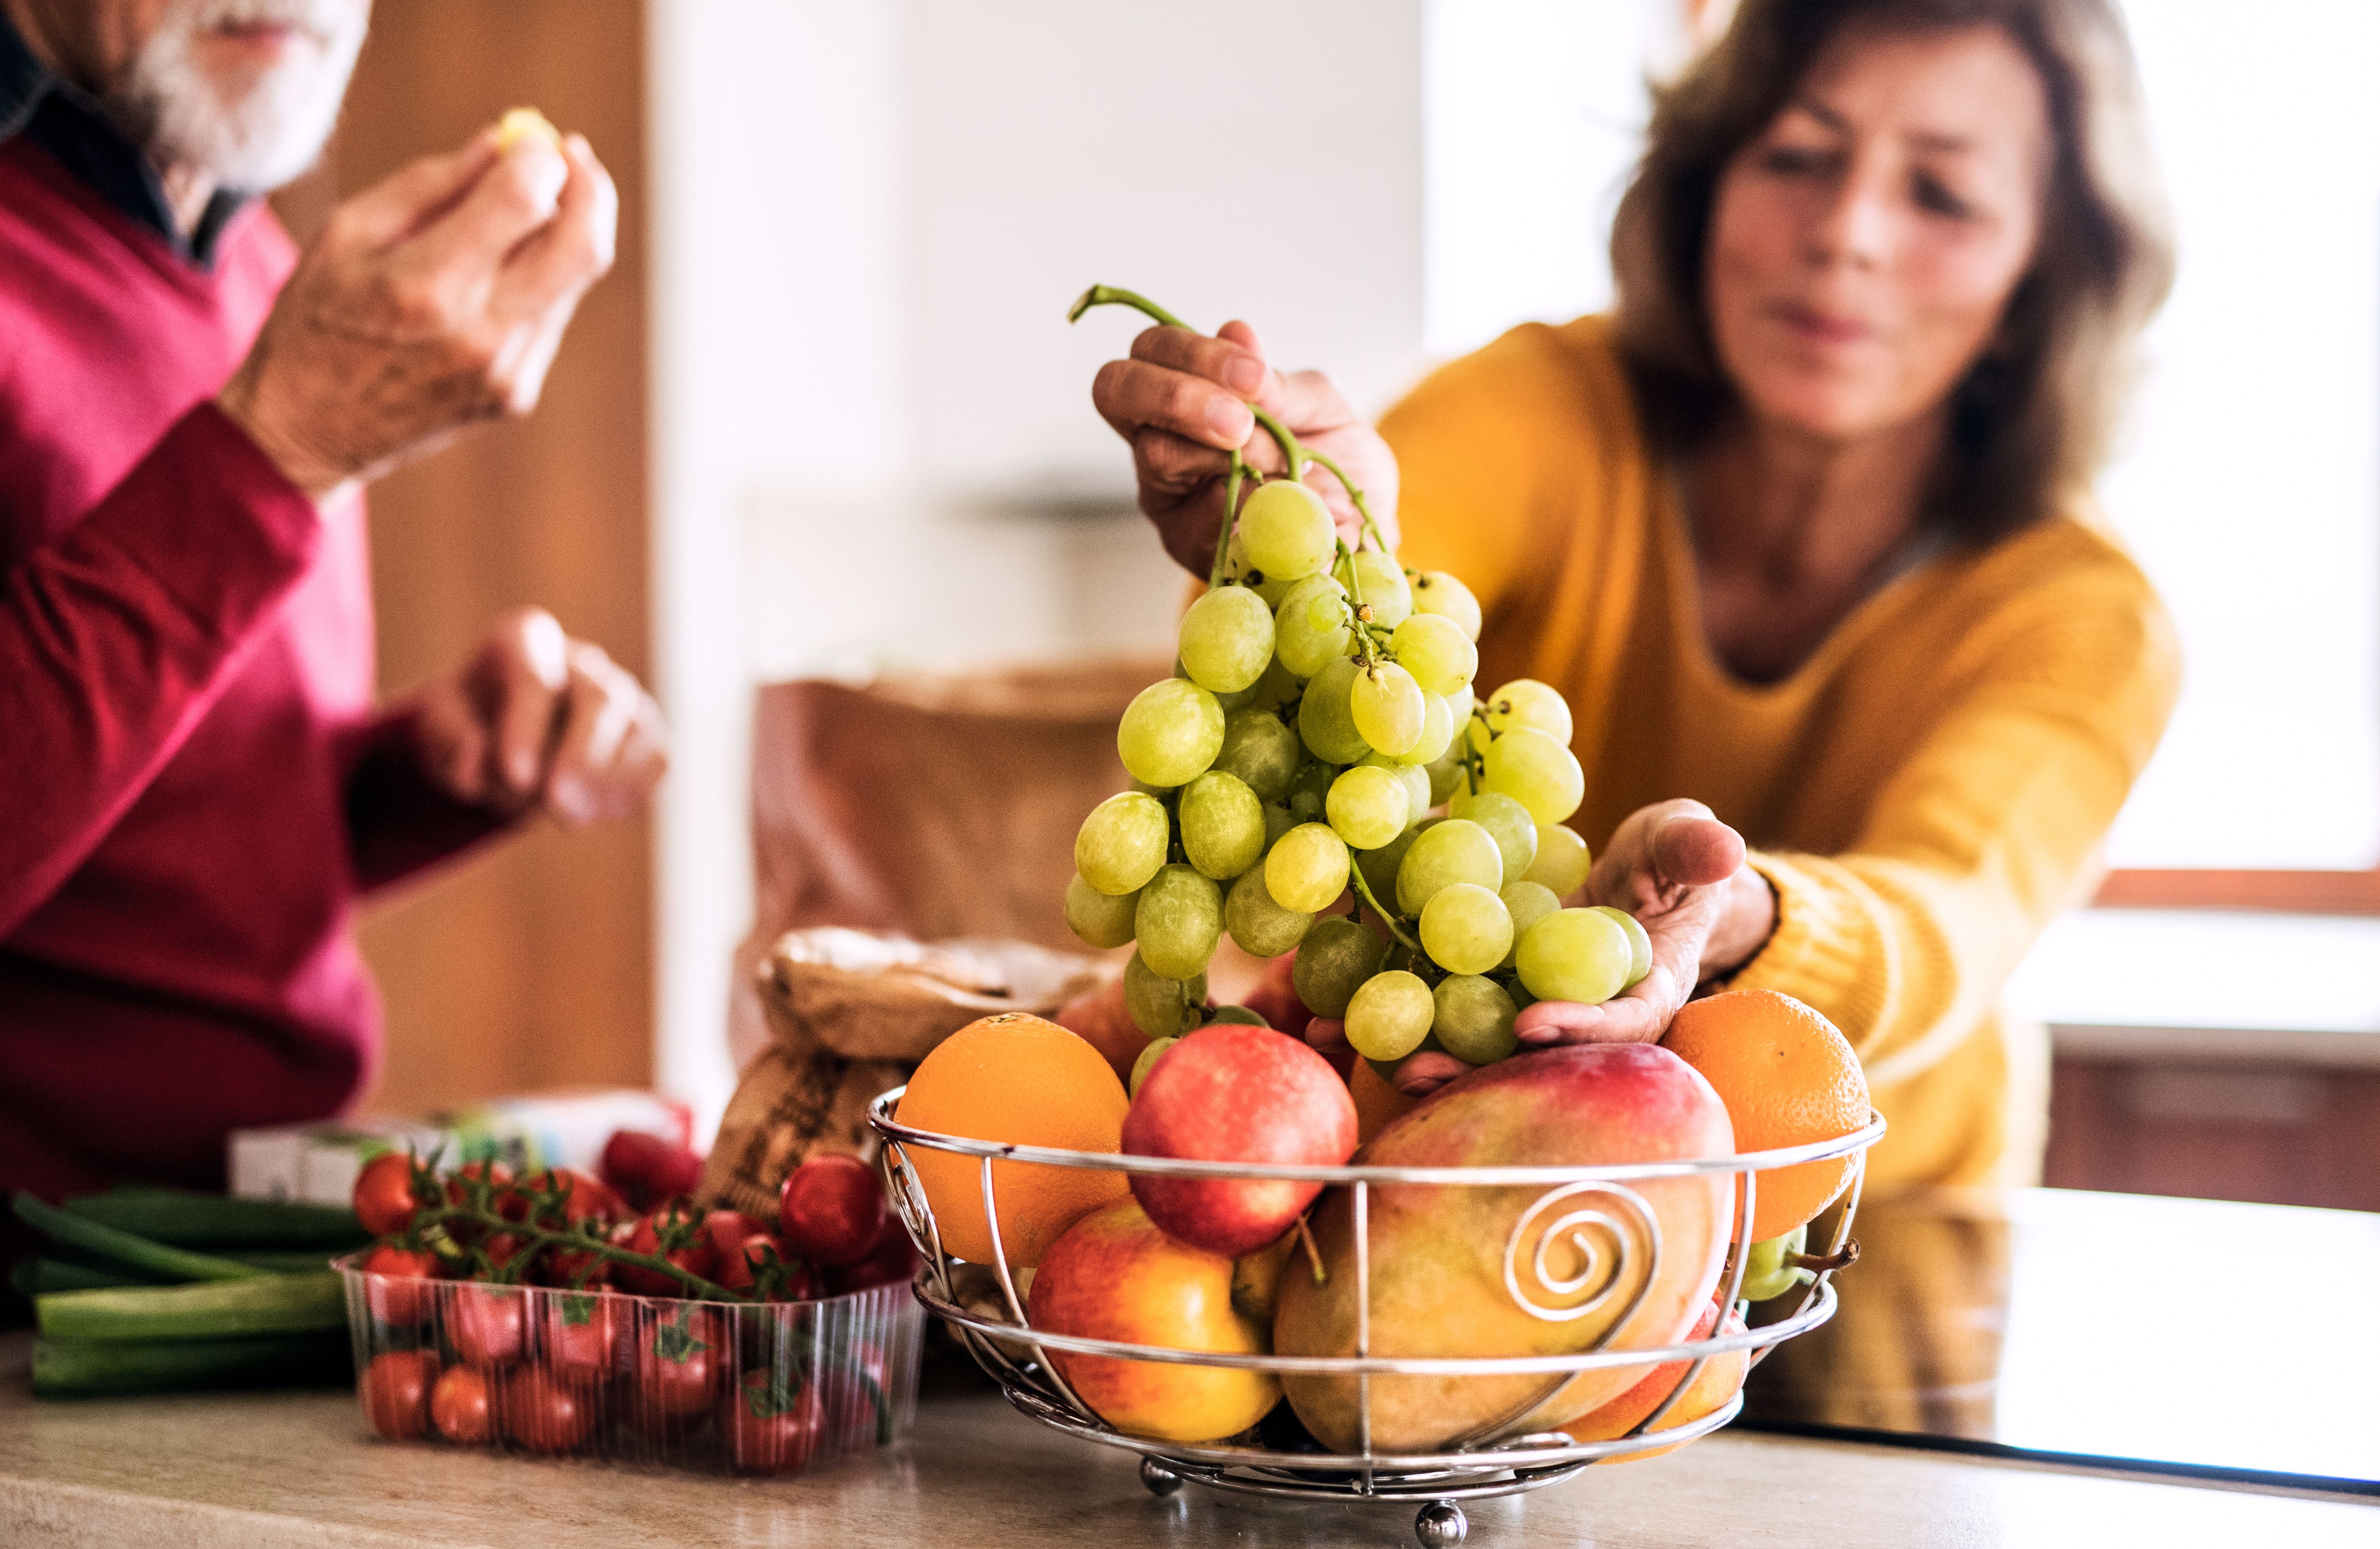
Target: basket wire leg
[(1740, 1252), (1364, 1327), (1016, 1303)]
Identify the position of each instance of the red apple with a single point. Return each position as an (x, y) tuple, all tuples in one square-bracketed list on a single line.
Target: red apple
[(1114, 1275), (1234, 1093)]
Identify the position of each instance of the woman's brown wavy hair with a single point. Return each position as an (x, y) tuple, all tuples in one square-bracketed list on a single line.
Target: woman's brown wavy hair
[(2035, 417)]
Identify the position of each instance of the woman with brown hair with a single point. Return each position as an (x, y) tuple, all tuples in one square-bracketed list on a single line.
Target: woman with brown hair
[(1802, 530)]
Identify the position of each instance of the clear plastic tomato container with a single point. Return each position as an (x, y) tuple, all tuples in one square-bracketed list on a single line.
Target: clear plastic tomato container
[(710, 1387)]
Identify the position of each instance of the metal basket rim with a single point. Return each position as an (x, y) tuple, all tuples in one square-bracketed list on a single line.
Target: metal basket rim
[(1821, 1306), (880, 1119)]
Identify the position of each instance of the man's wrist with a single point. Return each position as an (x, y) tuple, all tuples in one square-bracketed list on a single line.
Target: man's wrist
[(314, 477)]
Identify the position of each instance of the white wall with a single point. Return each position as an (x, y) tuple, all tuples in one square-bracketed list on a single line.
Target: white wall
[(874, 441)]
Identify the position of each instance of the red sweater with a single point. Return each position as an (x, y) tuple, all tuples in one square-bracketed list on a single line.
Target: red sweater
[(193, 788)]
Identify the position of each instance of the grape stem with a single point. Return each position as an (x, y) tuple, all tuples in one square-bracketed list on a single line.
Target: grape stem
[(1217, 571), (1364, 891), (1313, 1254), (1371, 528)]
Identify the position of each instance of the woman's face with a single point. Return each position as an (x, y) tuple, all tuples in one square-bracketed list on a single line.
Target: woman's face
[(1864, 245)]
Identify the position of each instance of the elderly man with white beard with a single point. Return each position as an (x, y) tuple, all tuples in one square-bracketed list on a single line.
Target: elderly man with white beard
[(195, 784)]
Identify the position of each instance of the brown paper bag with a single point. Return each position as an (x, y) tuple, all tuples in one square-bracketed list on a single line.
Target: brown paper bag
[(914, 810)]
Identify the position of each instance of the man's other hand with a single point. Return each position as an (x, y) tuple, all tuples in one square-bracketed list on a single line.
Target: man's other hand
[(435, 298), (535, 719)]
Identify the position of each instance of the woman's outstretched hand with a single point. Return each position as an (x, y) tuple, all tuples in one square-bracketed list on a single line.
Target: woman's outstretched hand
[(1181, 401), (1680, 871)]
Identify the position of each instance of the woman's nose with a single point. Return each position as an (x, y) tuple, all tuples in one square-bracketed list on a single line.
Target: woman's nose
[(1852, 225)]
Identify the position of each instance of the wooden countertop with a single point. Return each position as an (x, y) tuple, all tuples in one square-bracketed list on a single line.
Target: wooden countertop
[(261, 1470)]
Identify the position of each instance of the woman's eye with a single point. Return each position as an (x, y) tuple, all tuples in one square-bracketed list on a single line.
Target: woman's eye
[(1935, 195), (1795, 161)]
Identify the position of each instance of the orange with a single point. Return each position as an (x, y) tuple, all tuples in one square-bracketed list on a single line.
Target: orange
[(1018, 1079), (1788, 1077), (1378, 1104)]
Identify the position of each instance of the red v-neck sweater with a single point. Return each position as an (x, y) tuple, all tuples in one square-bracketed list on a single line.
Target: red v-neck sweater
[(193, 788)]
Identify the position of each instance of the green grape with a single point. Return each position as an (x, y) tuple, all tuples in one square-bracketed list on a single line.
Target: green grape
[(1524, 702), (1461, 703), (1508, 823), (1379, 866), (1443, 855), (1226, 639), (1278, 819), (1278, 686), (1148, 1062), (1261, 750), (1309, 790), (1307, 870), (1237, 1016), (1436, 592), (1102, 919), (1767, 1273), (1336, 956), (1162, 1006), (1562, 860), (1413, 777), (1640, 945), (1527, 902), (1445, 777), (1574, 954), (1171, 732), (1285, 531), (1475, 1018), (1382, 582), (1539, 773), (1262, 928), (1223, 825), (1177, 921), (1436, 731), (1123, 842), (1435, 651), (1465, 928), (1368, 807), (1312, 624), (1387, 705), (1390, 1015), (1273, 589), (1325, 718)]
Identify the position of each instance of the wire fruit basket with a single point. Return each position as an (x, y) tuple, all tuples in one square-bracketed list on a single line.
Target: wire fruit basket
[(997, 1331)]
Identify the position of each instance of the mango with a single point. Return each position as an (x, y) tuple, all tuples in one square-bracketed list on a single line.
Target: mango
[(1439, 1255)]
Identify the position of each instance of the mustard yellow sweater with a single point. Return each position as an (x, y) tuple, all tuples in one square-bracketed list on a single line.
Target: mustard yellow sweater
[(1923, 793)]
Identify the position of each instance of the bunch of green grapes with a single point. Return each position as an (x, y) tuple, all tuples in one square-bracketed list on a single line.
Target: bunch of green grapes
[(1320, 737)]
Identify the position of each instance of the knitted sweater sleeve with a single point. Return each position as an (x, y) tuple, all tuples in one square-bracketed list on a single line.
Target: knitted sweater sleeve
[(1988, 828)]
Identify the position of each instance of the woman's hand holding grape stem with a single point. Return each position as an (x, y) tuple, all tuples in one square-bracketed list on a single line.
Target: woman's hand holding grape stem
[(1195, 409)]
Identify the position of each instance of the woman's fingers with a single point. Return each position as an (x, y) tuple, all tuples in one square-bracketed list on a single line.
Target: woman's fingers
[(1640, 1016), (1422, 1074), (1696, 850), (608, 755), (1221, 359), (1137, 395)]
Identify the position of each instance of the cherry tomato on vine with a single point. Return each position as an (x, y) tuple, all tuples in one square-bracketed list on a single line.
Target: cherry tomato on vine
[(397, 1393), (508, 1202), (891, 1258), (681, 1357), (384, 1194), (461, 1407), (831, 1210), (729, 1231), (544, 1414), (645, 1168), (582, 1334), (585, 1204), (674, 1232), (485, 1323), (773, 1421), (405, 1288)]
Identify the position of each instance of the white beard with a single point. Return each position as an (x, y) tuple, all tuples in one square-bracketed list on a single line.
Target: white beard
[(251, 132)]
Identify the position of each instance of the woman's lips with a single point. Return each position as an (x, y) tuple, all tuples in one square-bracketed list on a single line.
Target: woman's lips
[(1821, 328), (271, 39)]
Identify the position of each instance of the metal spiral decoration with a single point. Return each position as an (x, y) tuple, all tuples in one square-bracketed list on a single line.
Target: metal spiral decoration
[(1616, 1207)]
